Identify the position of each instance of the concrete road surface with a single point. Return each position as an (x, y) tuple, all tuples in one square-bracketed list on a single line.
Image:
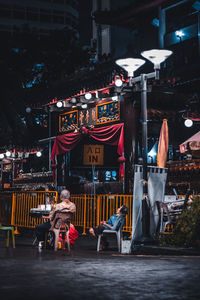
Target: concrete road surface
[(27, 274)]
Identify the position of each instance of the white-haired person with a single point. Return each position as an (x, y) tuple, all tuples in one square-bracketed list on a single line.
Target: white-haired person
[(65, 205)]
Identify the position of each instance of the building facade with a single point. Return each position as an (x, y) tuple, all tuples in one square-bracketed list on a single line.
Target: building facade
[(41, 16)]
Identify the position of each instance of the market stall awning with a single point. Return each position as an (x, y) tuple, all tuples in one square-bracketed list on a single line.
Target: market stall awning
[(192, 145)]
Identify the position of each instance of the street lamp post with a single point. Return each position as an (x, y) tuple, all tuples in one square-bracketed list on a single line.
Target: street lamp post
[(49, 115), (156, 56)]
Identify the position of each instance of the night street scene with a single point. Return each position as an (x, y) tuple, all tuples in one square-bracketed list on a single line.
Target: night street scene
[(100, 149)]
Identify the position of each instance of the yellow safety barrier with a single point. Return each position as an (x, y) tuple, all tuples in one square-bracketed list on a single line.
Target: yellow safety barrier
[(22, 202), (5, 208), (92, 209)]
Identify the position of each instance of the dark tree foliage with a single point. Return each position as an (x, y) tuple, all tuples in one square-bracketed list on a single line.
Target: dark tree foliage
[(187, 228)]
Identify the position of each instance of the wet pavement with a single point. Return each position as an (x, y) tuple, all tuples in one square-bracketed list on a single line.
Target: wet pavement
[(84, 274)]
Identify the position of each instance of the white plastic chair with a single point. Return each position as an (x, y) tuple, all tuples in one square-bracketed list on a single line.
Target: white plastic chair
[(165, 217), (118, 232)]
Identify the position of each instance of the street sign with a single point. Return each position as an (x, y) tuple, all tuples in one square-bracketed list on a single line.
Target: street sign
[(93, 155)]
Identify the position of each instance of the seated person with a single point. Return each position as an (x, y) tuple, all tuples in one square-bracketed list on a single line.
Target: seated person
[(65, 206), (123, 210)]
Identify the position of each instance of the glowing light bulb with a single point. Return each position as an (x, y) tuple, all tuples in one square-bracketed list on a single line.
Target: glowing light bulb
[(59, 104), (8, 153), (38, 154), (118, 82), (188, 123), (88, 96)]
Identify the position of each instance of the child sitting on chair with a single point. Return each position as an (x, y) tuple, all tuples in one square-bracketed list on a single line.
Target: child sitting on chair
[(107, 225)]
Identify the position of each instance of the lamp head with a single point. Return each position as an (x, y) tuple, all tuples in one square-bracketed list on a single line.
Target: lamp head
[(84, 106), (73, 100), (188, 123), (156, 56), (130, 65), (88, 96), (8, 153), (59, 104), (118, 82), (179, 33), (39, 154)]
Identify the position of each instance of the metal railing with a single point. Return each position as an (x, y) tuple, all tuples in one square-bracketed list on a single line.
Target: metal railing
[(22, 202), (92, 209)]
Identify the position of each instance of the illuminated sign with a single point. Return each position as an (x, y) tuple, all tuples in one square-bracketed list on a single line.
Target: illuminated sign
[(107, 112), (87, 117), (68, 121), (102, 113), (93, 155)]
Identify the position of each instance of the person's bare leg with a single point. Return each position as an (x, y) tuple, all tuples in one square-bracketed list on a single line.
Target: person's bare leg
[(91, 231)]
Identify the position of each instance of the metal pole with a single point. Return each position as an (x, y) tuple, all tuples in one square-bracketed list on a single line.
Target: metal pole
[(198, 24), (162, 28), (145, 210), (49, 141)]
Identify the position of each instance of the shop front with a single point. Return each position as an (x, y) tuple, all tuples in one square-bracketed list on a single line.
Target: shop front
[(88, 155)]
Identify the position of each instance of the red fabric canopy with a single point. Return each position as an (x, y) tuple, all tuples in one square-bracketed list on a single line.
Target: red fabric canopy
[(112, 135)]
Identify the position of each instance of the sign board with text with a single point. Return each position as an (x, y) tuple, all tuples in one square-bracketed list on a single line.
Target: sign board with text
[(68, 121), (107, 112), (103, 113), (87, 117), (93, 155)]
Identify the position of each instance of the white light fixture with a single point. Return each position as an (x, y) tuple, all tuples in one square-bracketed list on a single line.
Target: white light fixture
[(115, 98), (8, 153), (188, 123), (28, 110), (156, 56), (1, 155), (73, 100), (59, 104), (67, 104), (39, 154), (155, 22), (88, 96), (179, 33), (152, 153), (130, 64), (84, 106), (118, 82)]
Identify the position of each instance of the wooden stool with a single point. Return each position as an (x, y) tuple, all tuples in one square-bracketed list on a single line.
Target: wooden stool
[(8, 229)]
